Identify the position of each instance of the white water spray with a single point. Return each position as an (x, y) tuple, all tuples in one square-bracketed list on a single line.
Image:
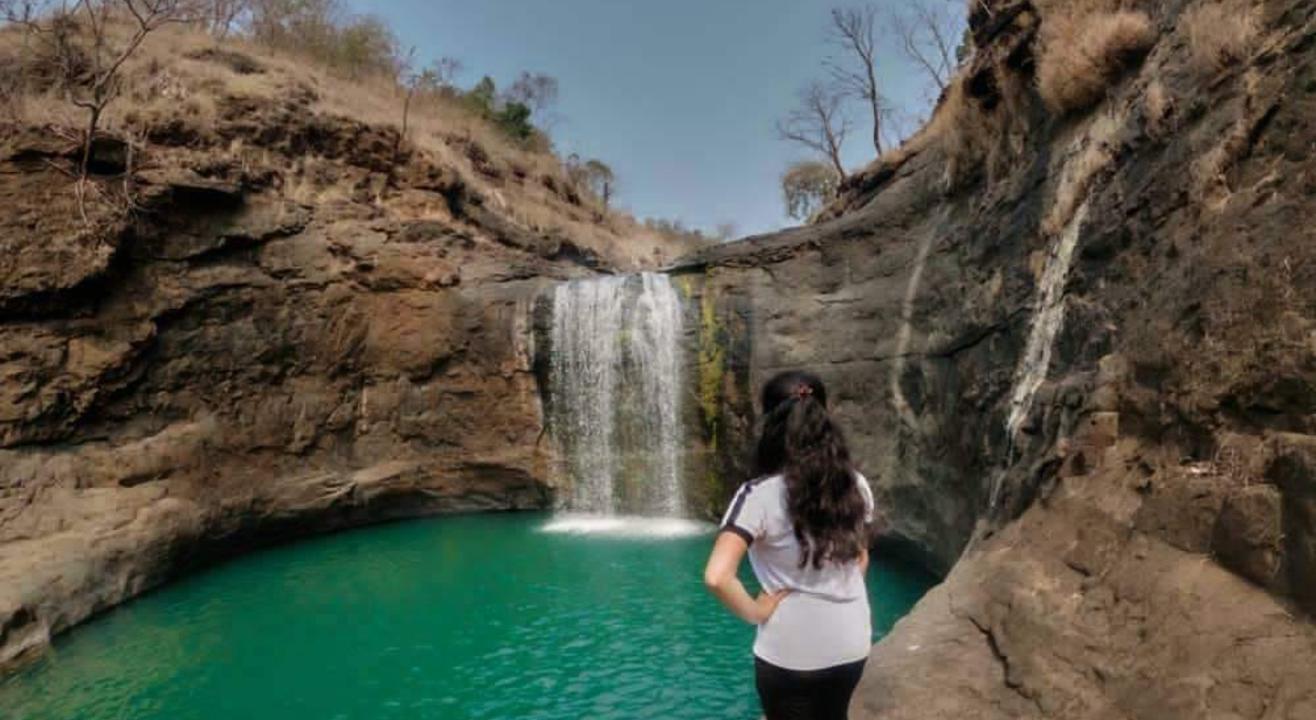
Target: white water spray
[(625, 526)]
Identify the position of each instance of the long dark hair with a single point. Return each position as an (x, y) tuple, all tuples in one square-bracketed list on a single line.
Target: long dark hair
[(801, 441)]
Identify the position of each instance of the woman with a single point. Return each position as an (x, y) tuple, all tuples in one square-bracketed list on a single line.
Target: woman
[(804, 522)]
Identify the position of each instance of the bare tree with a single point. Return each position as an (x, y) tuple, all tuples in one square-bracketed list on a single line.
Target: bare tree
[(444, 72), (90, 53), (818, 123), (13, 80), (311, 25), (926, 31), (220, 16), (853, 30), (536, 91), (55, 29), (102, 85), (594, 176), (19, 11), (601, 180), (412, 82), (436, 79)]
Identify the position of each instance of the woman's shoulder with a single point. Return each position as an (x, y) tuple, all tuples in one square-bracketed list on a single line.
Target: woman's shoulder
[(764, 481), (760, 489)]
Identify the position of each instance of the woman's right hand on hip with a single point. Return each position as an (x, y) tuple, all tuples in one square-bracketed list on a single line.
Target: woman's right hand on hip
[(767, 602)]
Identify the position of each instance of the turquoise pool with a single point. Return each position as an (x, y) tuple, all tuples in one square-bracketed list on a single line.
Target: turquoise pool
[(488, 616)]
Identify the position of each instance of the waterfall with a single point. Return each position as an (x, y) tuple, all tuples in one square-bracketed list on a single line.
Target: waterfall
[(615, 393), (1048, 317), (586, 345)]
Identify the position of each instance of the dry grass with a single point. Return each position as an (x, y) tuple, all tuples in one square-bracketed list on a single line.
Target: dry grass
[(980, 136), (1082, 53), (1088, 157), (1211, 187), (1220, 33), (960, 130), (1157, 108), (505, 171), (171, 81)]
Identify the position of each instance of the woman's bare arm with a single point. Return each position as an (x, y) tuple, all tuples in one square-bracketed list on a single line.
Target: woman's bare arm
[(863, 561), (720, 579)]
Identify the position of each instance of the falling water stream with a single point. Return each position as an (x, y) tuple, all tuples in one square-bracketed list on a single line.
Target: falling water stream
[(1048, 318), (615, 385)]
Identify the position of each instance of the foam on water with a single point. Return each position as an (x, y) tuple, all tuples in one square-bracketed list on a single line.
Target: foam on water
[(621, 526)]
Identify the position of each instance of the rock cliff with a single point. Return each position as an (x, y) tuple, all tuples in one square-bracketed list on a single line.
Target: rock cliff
[(1079, 361), (267, 322)]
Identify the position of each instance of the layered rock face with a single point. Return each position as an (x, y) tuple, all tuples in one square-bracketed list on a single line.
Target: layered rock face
[(1081, 371), (227, 362), (1075, 352)]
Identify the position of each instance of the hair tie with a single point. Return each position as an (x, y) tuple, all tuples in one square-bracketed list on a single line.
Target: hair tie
[(802, 391)]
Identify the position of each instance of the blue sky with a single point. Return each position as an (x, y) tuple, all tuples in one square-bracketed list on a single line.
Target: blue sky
[(680, 97)]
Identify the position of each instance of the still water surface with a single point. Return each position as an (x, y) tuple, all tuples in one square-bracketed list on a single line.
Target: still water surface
[(485, 616)]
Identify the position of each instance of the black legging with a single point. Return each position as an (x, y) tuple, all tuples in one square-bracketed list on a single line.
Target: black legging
[(806, 694)]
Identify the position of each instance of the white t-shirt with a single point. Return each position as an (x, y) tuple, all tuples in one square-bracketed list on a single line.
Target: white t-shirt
[(825, 621)]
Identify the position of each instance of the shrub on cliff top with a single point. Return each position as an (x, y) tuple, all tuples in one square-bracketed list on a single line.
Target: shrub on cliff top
[(1081, 54), (510, 116), (807, 186), (358, 46)]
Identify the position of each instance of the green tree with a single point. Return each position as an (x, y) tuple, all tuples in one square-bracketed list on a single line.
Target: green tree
[(483, 97), (514, 120), (807, 186), (512, 117), (965, 48)]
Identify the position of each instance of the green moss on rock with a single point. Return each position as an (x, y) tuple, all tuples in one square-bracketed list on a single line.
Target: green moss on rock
[(712, 372)]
